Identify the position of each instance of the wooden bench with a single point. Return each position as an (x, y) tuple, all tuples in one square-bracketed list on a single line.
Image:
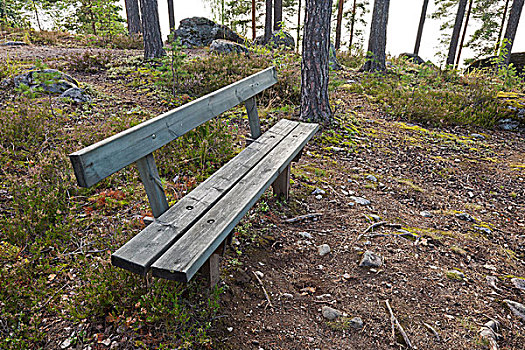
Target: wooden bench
[(192, 232)]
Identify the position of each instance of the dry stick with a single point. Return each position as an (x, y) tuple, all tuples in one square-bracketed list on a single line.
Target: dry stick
[(396, 324), (264, 289), (303, 217), (436, 334)]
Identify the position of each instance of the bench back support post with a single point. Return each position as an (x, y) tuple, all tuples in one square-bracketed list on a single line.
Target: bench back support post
[(153, 185), (281, 186), (253, 117)]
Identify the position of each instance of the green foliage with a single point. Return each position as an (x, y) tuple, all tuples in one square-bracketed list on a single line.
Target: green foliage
[(98, 17), (89, 61)]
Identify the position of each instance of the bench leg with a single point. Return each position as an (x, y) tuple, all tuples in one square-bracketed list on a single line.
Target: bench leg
[(281, 186), (211, 270)]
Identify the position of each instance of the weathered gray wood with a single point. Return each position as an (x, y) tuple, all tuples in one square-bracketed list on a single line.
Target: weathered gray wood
[(211, 270), (188, 254), (281, 186), (141, 251), (104, 158), (253, 117), (153, 185)]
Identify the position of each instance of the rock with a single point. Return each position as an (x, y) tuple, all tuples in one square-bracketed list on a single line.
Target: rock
[(371, 178), (77, 95), (477, 136), (332, 59), (516, 308), (337, 149), (516, 58), (323, 249), (330, 313), (360, 200), (318, 197), (287, 295), (14, 43), (50, 80), (65, 344), (318, 191), (200, 32), (508, 124), (227, 47), (485, 230), (411, 57), (489, 332), (356, 323), (455, 275), (306, 235), (465, 217), (279, 39), (259, 274), (518, 283), (426, 214), (374, 217), (371, 259)]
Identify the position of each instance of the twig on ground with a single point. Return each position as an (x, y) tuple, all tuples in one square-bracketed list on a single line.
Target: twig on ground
[(432, 329), (264, 289), (302, 218), (396, 324), (373, 226), (54, 294)]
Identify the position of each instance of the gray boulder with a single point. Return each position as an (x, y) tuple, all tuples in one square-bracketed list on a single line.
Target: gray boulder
[(277, 40), (200, 32), (227, 47), (77, 95), (411, 57), (14, 43), (50, 80)]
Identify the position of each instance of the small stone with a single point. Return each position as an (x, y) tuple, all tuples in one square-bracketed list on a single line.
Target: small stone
[(425, 214), (323, 249), (318, 197), (106, 342), (477, 136), (455, 275), (375, 217), (318, 191), (508, 124), (229, 329), (287, 295), (371, 259), (76, 94), (371, 178), (518, 283), (347, 276), (259, 274), (360, 200), (485, 230), (14, 43), (227, 47), (337, 149), (356, 323), (306, 235), (65, 344), (516, 308), (464, 217), (330, 313), (345, 193), (490, 267)]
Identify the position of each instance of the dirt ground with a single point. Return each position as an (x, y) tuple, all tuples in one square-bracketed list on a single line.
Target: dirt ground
[(440, 199)]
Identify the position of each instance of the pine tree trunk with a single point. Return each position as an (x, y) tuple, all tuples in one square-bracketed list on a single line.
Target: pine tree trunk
[(133, 17), (150, 24), (500, 33), (298, 24), (338, 25), (455, 34), (315, 105), (277, 14), (352, 24), (253, 20), (512, 26), (376, 56), (420, 28), (467, 17), (268, 22), (171, 15)]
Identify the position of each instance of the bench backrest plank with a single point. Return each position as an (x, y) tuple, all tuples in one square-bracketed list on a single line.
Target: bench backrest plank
[(96, 162)]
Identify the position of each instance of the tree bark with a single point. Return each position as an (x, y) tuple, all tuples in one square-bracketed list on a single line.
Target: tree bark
[(352, 24), (133, 17), (376, 56), (315, 104), (171, 15), (298, 25), (277, 14), (150, 24), (498, 43), (421, 25), (467, 17), (338, 25), (455, 33), (512, 26), (268, 22), (253, 20)]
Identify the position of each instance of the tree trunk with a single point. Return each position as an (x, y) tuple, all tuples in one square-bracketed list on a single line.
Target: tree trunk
[(512, 26), (37, 16), (253, 20), (376, 56), (464, 31), (268, 22), (298, 25), (501, 27), (421, 25), (315, 105), (277, 14), (171, 15), (352, 23), (338, 25), (455, 34), (150, 24), (133, 17)]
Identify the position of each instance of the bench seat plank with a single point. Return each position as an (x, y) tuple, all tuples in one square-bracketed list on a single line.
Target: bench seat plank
[(141, 251), (190, 252), (96, 162)]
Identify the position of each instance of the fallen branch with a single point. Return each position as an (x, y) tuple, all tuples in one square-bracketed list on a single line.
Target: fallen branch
[(436, 334), (489, 333), (264, 289), (303, 217), (379, 224), (395, 324)]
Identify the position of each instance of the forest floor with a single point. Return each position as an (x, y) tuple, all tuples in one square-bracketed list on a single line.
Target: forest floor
[(443, 208)]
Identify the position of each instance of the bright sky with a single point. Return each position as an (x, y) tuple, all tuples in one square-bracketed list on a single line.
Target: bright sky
[(401, 33)]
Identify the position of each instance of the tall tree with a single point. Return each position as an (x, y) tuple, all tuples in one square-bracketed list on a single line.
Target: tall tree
[(315, 105), (376, 56), (253, 21), (512, 26), (455, 33), (339, 24), (133, 17), (352, 25), (171, 15), (150, 24), (298, 24), (421, 25), (277, 14), (467, 17), (268, 22), (500, 33)]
